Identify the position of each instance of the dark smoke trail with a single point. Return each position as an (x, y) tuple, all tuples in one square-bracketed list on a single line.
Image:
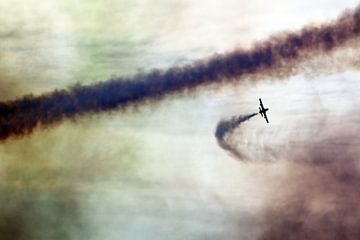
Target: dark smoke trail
[(277, 54), (226, 127)]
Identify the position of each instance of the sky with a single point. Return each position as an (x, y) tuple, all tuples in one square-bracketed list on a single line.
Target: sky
[(156, 171)]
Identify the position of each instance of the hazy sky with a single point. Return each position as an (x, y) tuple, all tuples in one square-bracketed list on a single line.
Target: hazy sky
[(155, 172)]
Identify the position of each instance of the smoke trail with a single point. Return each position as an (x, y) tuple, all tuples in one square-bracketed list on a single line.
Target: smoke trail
[(318, 197), (276, 55), (226, 127)]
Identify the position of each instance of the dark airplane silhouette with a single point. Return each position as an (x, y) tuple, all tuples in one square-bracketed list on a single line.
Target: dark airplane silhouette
[(263, 111)]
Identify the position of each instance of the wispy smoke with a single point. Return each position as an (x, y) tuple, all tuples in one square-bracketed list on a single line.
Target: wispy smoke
[(225, 128), (318, 197), (21, 116)]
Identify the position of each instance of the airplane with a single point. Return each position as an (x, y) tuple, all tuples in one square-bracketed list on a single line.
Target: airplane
[(263, 111)]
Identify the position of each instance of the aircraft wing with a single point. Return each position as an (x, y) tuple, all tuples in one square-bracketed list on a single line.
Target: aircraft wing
[(261, 104), (266, 117)]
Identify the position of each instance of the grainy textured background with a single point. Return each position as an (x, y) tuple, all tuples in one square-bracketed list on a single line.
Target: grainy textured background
[(157, 172)]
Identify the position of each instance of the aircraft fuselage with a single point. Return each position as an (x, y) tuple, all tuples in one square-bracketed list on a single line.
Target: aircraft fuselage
[(261, 111)]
